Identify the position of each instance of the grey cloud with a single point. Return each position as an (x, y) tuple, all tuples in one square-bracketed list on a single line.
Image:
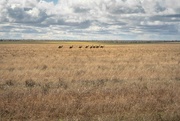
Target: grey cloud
[(63, 22), (173, 15), (22, 15), (85, 24), (159, 8), (171, 19), (5, 28), (16, 13), (160, 29), (101, 17), (29, 31), (126, 10), (80, 25), (17, 28), (79, 9), (27, 9)]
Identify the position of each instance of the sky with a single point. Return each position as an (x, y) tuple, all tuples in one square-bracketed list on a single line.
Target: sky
[(90, 19)]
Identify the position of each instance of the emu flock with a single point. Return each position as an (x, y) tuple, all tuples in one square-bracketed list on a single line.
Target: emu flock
[(87, 46)]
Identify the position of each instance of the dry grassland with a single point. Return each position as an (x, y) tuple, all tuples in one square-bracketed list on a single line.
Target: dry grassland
[(130, 82)]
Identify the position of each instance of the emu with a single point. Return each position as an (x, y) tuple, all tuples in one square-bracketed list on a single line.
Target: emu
[(80, 46), (60, 46), (101, 46), (71, 47), (97, 46), (87, 46)]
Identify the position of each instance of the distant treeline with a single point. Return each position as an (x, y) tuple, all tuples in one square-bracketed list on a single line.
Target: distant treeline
[(138, 41), (104, 41)]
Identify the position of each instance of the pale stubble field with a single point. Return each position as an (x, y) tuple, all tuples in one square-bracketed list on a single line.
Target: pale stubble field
[(118, 82)]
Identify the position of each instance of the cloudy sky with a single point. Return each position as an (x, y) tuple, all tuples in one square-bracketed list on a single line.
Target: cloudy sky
[(90, 19)]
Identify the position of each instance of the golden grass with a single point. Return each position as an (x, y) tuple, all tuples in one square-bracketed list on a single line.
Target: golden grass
[(119, 82)]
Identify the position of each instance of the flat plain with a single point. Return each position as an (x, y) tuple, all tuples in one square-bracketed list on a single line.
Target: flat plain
[(125, 82)]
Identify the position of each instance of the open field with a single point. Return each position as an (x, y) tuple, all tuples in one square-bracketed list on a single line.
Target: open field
[(128, 82)]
